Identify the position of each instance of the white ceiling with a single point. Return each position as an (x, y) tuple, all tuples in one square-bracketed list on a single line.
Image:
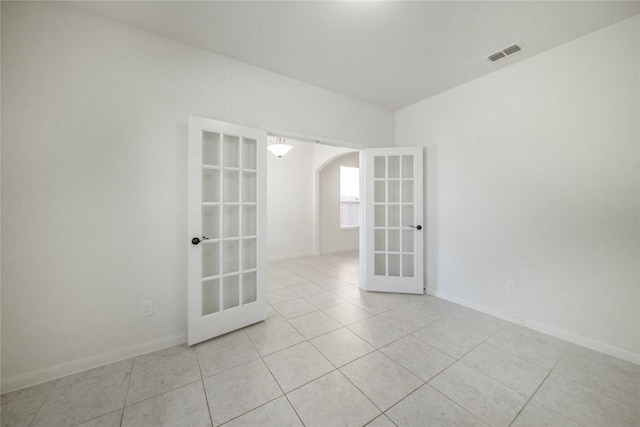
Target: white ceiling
[(389, 53)]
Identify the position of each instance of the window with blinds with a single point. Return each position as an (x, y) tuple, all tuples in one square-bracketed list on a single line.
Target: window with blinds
[(349, 196)]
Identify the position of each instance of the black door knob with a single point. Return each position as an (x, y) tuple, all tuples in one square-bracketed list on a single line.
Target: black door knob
[(417, 227), (196, 240)]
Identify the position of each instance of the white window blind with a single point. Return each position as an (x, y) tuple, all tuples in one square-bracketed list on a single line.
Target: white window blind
[(349, 196)]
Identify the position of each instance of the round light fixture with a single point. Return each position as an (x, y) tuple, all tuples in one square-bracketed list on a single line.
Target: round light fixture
[(279, 148)]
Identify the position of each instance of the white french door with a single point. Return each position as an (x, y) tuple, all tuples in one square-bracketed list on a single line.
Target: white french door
[(227, 226), (393, 232)]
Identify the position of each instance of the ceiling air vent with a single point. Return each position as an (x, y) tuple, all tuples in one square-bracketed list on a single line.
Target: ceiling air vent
[(512, 49), (517, 47), (496, 56)]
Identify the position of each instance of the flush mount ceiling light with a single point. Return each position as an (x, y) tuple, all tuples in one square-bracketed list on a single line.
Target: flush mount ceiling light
[(279, 148)]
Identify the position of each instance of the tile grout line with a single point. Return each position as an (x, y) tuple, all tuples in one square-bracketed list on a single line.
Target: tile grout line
[(443, 395), (126, 395), (382, 346), (79, 380), (593, 391), (450, 398), (358, 358), (33, 420), (204, 390), (459, 360), (363, 393), (56, 387), (540, 385), (395, 403), (519, 358), (587, 386), (376, 348), (261, 357), (159, 394), (281, 389), (336, 369)]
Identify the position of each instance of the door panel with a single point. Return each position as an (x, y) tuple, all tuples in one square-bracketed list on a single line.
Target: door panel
[(226, 225), (393, 231)]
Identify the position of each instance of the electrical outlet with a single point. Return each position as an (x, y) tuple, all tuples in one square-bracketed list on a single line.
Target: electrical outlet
[(511, 286), (146, 308)]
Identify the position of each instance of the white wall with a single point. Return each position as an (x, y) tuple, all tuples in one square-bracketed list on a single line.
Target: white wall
[(332, 237), (290, 190), (535, 169), (322, 154), (94, 178)]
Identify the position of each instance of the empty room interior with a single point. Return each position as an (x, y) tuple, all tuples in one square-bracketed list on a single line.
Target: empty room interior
[(310, 213)]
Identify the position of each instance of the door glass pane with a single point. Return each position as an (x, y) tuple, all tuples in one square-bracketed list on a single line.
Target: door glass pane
[(211, 222), (379, 192), (380, 268), (407, 265), (394, 240), (249, 220), (394, 216), (407, 215), (394, 167), (231, 151), (379, 167), (249, 153), (210, 148), (231, 186), (210, 296), (230, 221), (249, 187), (231, 258), (407, 240), (249, 254), (210, 185), (380, 240), (393, 191), (210, 259), (407, 190), (230, 292), (394, 265), (407, 166), (379, 216), (249, 288)]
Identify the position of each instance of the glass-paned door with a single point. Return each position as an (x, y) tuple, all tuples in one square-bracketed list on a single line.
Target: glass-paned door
[(393, 230), (227, 223)]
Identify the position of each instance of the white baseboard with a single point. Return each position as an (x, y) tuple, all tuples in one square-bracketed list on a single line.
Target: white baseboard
[(36, 377), (620, 353)]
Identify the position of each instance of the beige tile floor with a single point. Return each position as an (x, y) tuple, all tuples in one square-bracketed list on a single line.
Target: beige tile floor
[(332, 355)]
